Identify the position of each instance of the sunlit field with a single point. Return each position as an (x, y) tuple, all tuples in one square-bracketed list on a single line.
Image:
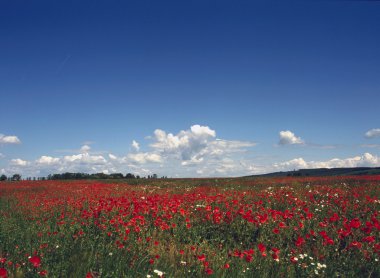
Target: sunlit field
[(277, 227)]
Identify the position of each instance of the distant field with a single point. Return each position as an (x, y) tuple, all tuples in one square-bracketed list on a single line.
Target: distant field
[(258, 227)]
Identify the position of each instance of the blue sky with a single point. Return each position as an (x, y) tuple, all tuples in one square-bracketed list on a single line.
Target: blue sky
[(204, 88)]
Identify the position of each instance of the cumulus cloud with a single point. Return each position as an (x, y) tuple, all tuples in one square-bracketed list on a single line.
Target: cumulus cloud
[(184, 153), (135, 146), (48, 160), (111, 156), (375, 132), (289, 138), (296, 163), (85, 158), (9, 139), (142, 158), (186, 143), (365, 160), (85, 148), (19, 162), (194, 145), (220, 146)]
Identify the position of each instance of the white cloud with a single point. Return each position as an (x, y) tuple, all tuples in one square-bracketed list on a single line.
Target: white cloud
[(1, 155), (85, 158), (135, 145), (365, 160), (227, 167), (111, 156), (375, 132), (192, 161), (85, 148), (19, 162), (191, 151), (186, 143), (220, 146), (195, 145), (48, 160), (201, 131), (296, 163), (288, 138), (143, 158), (9, 139)]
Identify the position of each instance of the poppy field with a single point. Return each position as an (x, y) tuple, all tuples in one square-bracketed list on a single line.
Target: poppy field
[(259, 227)]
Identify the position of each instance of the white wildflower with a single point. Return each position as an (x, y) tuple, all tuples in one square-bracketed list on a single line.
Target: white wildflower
[(159, 273)]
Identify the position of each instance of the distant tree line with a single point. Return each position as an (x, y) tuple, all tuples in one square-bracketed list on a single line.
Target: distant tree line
[(15, 177), (85, 176), (80, 176)]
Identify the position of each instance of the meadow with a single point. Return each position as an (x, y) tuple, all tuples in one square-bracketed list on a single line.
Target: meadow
[(258, 227)]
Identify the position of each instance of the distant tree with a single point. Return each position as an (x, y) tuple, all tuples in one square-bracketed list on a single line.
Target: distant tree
[(3, 178), (103, 176), (99, 176), (154, 176), (16, 177), (116, 176), (129, 176)]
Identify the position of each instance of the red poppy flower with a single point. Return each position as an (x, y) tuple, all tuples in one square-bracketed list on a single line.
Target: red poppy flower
[(355, 223), (369, 239), (35, 261), (300, 241), (261, 247), (90, 275), (275, 257), (276, 231), (3, 273), (248, 258), (202, 257), (294, 260), (42, 273), (209, 271), (356, 244)]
